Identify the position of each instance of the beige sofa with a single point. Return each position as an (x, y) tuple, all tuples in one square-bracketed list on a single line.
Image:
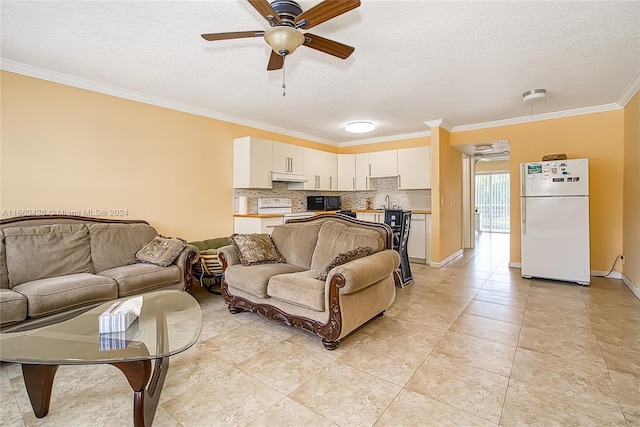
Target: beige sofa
[(54, 266), (290, 292)]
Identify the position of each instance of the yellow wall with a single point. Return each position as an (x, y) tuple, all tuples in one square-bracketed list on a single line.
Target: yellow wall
[(597, 136), (631, 221), (493, 166), (446, 196), (64, 148), (389, 145)]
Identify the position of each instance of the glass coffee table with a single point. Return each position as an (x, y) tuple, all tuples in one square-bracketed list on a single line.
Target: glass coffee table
[(169, 323)]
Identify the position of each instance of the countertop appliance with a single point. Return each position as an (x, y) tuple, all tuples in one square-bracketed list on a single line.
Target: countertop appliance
[(280, 205), (555, 220), (324, 203)]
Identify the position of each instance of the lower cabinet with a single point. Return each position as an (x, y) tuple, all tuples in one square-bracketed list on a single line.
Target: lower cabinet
[(419, 234), (370, 216), (419, 238), (248, 225)]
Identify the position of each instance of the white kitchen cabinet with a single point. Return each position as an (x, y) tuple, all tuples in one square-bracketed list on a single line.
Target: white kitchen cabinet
[(321, 171), (250, 225), (346, 172), (371, 216), (287, 158), (329, 175), (251, 165), (363, 180), (419, 238), (383, 163), (414, 168)]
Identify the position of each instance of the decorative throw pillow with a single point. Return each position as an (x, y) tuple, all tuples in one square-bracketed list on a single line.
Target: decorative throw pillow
[(343, 258), (161, 251), (255, 249)]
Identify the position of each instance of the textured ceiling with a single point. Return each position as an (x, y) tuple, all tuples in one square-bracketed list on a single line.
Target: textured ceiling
[(414, 61)]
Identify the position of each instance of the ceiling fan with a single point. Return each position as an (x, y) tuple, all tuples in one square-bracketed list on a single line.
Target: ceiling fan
[(286, 19)]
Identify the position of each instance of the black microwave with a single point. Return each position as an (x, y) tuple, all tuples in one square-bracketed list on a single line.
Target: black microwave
[(324, 203)]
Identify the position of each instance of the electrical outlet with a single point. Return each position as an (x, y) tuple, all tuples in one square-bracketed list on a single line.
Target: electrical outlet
[(622, 258)]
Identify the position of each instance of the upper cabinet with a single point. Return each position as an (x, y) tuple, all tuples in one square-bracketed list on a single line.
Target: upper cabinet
[(414, 168), (321, 171), (287, 158), (363, 179), (383, 164), (346, 172), (250, 170), (326, 171)]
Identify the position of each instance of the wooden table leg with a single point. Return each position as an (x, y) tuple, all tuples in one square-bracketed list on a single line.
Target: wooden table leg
[(146, 387), (38, 379)]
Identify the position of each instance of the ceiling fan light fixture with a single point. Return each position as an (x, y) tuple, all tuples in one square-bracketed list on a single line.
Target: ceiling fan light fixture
[(359, 127), (482, 148), (283, 40)]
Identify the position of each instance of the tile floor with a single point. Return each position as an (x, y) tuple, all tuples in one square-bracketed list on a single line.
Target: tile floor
[(469, 344)]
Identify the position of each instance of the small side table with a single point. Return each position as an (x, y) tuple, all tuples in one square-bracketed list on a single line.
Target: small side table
[(209, 277)]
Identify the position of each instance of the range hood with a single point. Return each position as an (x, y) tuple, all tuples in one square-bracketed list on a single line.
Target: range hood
[(287, 177)]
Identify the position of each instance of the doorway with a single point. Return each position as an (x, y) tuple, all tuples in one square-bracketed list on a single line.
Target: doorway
[(492, 202)]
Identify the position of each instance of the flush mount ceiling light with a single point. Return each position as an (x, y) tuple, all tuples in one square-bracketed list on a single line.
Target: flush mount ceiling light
[(534, 94), (484, 147), (359, 127)]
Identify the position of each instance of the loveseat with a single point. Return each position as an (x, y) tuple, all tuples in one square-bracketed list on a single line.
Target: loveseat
[(54, 266), (356, 257)]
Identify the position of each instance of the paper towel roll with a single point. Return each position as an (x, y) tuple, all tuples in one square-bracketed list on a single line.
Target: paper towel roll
[(242, 205)]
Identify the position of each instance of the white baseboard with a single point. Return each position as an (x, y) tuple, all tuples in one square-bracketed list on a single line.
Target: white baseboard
[(596, 273), (446, 260), (614, 274), (631, 286)]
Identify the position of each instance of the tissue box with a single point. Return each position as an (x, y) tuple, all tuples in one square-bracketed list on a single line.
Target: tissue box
[(118, 340), (119, 316)]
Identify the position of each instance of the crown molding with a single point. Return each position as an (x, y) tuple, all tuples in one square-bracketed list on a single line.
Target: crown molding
[(440, 123), (538, 117), (40, 73), (385, 139), (55, 77), (628, 92)]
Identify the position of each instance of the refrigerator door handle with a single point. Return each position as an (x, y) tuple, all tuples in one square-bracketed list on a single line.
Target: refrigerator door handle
[(524, 216), (522, 179)]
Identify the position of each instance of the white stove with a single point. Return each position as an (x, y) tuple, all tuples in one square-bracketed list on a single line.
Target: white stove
[(274, 205), (280, 205)]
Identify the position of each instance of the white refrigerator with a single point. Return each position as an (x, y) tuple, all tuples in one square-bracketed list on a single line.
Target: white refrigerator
[(555, 220)]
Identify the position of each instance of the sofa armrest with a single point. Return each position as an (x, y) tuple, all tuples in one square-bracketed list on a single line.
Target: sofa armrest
[(228, 256), (362, 272), (187, 257)]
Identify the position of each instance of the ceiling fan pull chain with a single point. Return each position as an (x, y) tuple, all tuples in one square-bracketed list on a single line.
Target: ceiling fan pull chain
[(284, 86)]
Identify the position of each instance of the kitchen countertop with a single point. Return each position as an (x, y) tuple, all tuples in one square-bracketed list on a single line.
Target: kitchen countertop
[(258, 215), (415, 211)]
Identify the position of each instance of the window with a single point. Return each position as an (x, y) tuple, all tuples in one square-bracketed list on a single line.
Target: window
[(492, 201)]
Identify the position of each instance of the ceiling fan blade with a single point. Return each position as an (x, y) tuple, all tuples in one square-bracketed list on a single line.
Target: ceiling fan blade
[(328, 46), (324, 11), (265, 9), (275, 61), (233, 35)]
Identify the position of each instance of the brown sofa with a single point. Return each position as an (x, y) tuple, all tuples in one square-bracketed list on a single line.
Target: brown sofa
[(290, 292), (54, 266)]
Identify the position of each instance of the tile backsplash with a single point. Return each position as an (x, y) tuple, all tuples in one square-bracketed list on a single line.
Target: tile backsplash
[(403, 199)]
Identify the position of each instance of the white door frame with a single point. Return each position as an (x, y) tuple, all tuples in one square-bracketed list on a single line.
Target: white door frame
[(468, 201)]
